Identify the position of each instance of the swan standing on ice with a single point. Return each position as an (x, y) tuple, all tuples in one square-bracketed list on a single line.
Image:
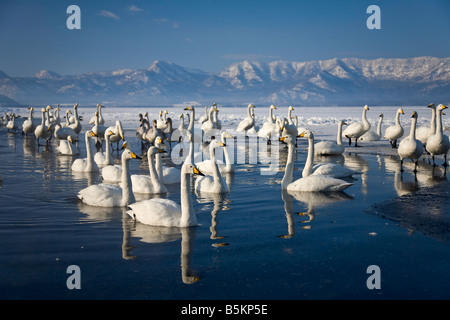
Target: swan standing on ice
[(165, 212), (410, 147), (149, 184), (76, 125), (41, 131), (439, 144), (288, 126), (357, 129), (214, 183), (29, 125), (331, 147), (87, 164), (248, 122), (393, 133), (423, 133), (117, 133), (372, 135), (67, 147), (309, 182), (108, 195)]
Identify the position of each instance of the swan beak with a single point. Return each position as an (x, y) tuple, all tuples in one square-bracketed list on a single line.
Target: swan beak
[(345, 123), (135, 156), (366, 107), (161, 150), (230, 136), (222, 144), (93, 134), (444, 107), (302, 135), (402, 112), (282, 139), (196, 171)]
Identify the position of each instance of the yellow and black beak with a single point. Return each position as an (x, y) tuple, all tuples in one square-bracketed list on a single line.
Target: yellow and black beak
[(161, 150), (222, 144), (196, 171), (93, 134), (282, 139), (135, 156)]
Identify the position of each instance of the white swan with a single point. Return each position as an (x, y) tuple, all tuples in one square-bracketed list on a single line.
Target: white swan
[(393, 133), (165, 212), (227, 167), (197, 133), (76, 125), (217, 122), (108, 195), (248, 122), (12, 125), (311, 182), (357, 129), (98, 115), (67, 147), (161, 123), (168, 175), (105, 158), (117, 133), (288, 127), (423, 133), (300, 130), (205, 117), (41, 131), (372, 135), (29, 125), (331, 147), (269, 127), (439, 144), (410, 147), (61, 133), (209, 124), (86, 164), (214, 183), (98, 129), (149, 184)]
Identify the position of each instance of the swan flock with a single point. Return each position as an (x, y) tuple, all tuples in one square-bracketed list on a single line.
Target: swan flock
[(160, 137)]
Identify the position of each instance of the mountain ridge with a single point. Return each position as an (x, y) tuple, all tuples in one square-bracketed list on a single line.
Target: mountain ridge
[(346, 81)]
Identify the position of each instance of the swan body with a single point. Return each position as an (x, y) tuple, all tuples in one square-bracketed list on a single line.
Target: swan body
[(331, 147), (105, 158), (309, 182), (29, 125), (76, 125), (12, 125), (168, 175), (108, 195), (288, 127), (87, 164), (98, 115), (41, 131), (248, 122), (67, 147), (112, 173), (61, 133), (439, 144), (372, 135), (227, 167), (269, 126), (423, 133), (393, 133), (117, 132), (410, 147), (357, 129), (149, 184), (209, 124), (214, 183), (165, 212)]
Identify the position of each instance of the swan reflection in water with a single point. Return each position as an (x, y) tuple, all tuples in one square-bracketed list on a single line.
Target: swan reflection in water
[(312, 200)]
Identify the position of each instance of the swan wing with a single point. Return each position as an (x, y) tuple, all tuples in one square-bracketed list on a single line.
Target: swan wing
[(156, 212)]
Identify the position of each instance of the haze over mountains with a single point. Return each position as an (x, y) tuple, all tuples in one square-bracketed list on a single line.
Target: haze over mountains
[(350, 81)]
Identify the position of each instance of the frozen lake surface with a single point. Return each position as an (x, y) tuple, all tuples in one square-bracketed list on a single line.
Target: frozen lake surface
[(251, 243)]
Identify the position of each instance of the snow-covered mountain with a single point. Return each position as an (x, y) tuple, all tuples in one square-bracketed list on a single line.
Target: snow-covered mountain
[(328, 82)]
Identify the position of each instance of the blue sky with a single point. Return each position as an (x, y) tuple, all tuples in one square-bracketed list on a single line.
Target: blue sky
[(212, 34)]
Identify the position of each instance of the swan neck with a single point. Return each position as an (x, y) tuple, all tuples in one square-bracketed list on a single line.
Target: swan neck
[(188, 217), (215, 167), (439, 123), (289, 170), (412, 133), (433, 121), (127, 195), (364, 116), (307, 170), (88, 149), (379, 126), (339, 134), (191, 122), (271, 115), (154, 175)]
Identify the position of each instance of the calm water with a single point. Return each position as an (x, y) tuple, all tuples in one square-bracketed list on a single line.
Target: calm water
[(251, 244)]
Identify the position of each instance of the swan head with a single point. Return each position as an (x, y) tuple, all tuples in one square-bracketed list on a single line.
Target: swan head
[(125, 145), (226, 135), (441, 107), (189, 108), (287, 139), (128, 154), (273, 107), (291, 108), (400, 110), (366, 107), (381, 115), (307, 134), (192, 169), (214, 143), (431, 105), (414, 115), (159, 143), (49, 107), (75, 106)]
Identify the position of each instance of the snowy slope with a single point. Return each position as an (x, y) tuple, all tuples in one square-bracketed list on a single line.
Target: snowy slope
[(347, 81)]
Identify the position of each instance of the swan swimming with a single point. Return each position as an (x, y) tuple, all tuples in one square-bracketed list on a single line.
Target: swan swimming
[(331, 147), (108, 195), (410, 147), (67, 147), (308, 182), (214, 183), (165, 212), (87, 164), (227, 167), (149, 184)]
